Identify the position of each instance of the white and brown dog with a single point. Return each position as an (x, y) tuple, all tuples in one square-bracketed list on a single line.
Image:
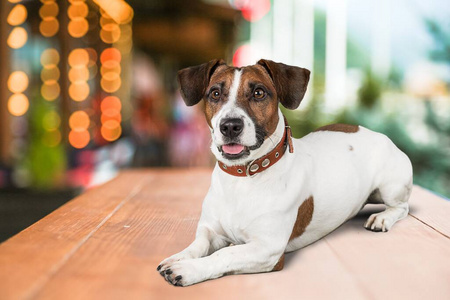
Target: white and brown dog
[(271, 194)]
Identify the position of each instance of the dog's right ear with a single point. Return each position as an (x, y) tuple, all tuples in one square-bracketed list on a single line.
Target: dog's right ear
[(193, 81)]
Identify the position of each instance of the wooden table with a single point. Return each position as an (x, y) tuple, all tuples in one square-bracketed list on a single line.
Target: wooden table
[(106, 244)]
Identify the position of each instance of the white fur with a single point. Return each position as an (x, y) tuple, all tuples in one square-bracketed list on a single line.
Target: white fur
[(339, 170)]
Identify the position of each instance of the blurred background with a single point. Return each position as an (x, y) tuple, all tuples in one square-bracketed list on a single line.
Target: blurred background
[(88, 87)]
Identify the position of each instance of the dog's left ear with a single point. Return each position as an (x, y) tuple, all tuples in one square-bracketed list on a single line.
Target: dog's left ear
[(193, 81), (290, 82)]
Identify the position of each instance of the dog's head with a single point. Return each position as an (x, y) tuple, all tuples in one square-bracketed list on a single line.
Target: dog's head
[(241, 104)]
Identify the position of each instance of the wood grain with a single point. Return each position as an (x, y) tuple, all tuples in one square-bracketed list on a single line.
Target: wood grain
[(107, 243)]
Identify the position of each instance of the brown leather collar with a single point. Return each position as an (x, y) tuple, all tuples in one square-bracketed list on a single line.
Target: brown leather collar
[(262, 163)]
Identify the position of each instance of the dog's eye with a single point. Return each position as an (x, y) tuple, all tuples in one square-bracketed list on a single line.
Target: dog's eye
[(259, 94), (215, 95)]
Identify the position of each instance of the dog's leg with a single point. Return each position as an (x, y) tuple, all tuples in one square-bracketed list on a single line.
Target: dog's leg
[(206, 242), (395, 196), (254, 257)]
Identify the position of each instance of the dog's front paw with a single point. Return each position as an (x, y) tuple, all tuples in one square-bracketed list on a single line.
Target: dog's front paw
[(181, 273), (174, 258), (379, 222)]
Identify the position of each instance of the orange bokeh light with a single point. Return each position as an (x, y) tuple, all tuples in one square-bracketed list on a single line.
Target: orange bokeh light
[(111, 102), (49, 26), (49, 9), (111, 64), (79, 121), (111, 114), (106, 68), (17, 38), (50, 74), (50, 90), (79, 90), (78, 27), (17, 82), (119, 10), (111, 130), (18, 104), (110, 86), (109, 37), (78, 9), (79, 139), (78, 57), (78, 73), (110, 76), (17, 15), (50, 57), (110, 54)]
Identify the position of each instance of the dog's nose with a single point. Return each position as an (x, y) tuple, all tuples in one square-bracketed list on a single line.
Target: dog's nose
[(231, 127)]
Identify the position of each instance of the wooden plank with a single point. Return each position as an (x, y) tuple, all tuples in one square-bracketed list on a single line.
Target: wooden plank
[(107, 243), (120, 259), (30, 258), (409, 262), (430, 209)]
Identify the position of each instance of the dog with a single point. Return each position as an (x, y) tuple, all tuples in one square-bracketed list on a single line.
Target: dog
[(271, 194)]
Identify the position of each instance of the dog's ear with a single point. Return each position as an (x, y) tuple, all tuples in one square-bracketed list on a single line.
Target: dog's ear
[(193, 81), (290, 82)]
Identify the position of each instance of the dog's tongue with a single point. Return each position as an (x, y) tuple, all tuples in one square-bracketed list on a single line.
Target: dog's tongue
[(232, 148)]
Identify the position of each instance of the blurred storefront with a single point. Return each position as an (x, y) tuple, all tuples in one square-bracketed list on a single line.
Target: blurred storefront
[(88, 86)]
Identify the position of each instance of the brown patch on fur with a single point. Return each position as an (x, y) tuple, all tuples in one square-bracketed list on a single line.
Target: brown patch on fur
[(304, 216), (225, 75), (347, 128), (280, 264), (264, 113)]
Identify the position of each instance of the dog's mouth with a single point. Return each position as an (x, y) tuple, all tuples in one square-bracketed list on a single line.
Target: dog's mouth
[(234, 150)]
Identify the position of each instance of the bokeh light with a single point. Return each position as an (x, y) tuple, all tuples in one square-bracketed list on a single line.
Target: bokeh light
[(49, 74), (79, 90), (113, 68), (111, 114), (78, 9), (50, 57), (111, 102), (49, 27), (17, 38), (48, 9), (111, 130), (18, 104), (50, 90), (78, 57), (118, 10), (79, 121), (242, 56), (110, 86), (78, 27), (17, 82), (79, 139), (51, 121), (17, 15), (110, 54), (78, 73), (110, 33)]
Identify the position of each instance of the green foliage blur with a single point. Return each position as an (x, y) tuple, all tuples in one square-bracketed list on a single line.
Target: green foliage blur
[(46, 159)]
